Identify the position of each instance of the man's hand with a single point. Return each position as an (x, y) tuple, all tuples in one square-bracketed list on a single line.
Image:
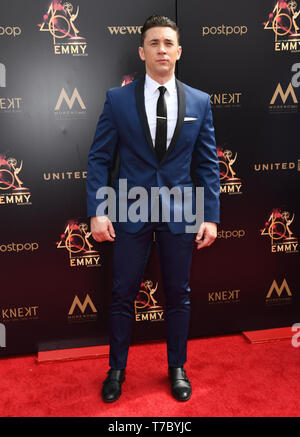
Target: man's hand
[(102, 229), (206, 235)]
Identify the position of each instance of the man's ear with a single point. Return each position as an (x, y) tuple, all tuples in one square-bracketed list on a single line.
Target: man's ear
[(179, 52), (141, 53)]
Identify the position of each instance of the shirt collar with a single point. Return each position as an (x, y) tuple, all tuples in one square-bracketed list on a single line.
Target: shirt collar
[(152, 85)]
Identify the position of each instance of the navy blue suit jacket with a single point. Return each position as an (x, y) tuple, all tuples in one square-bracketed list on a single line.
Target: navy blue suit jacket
[(123, 145)]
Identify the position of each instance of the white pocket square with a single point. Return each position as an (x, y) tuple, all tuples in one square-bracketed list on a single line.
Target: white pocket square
[(190, 118)]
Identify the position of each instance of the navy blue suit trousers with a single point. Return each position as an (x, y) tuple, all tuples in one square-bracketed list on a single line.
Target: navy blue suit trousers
[(130, 255)]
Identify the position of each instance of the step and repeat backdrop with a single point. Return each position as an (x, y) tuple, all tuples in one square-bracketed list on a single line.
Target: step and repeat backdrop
[(57, 59)]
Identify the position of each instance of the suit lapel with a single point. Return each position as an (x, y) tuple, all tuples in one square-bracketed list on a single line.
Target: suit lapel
[(140, 102)]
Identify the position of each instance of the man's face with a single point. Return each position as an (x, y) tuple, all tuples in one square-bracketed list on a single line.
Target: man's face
[(160, 51)]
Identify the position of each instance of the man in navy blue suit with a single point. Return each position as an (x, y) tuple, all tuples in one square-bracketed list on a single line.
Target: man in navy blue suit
[(160, 132)]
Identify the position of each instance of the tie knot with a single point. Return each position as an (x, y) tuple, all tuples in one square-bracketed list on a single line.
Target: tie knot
[(162, 90)]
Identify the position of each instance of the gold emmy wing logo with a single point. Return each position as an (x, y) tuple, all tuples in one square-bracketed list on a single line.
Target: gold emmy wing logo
[(284, 21), (282, 293), (145, 305), (12, 188), (82, 314), (229, 182), (76, 240), (278, 229), (59, 21)]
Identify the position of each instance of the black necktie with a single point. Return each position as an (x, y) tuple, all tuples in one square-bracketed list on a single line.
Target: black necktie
[(161, 124)]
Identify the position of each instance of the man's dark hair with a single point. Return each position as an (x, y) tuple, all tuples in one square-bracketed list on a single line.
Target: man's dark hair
[(158, 21)]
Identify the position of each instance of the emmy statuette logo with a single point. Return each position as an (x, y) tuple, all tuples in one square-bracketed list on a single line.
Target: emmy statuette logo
[(12, 190), (146, 306), (59, 21), (76, 241), (278, 229), (229, 182), (284, 21)]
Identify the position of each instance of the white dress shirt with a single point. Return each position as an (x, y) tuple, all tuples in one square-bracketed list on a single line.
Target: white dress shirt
[(151, 96)]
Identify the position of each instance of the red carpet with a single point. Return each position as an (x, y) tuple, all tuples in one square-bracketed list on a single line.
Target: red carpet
[(230, 378)]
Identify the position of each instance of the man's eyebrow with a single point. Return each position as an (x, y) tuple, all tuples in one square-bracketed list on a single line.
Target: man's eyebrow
[(165, 39)]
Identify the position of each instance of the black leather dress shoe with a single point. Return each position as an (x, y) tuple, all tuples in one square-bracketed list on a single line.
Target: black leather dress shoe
[(111, 390), (181, 386)]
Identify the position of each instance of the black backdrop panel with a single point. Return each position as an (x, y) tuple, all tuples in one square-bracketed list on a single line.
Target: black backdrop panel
[(57, 60), (228, 53), (55, 277)]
